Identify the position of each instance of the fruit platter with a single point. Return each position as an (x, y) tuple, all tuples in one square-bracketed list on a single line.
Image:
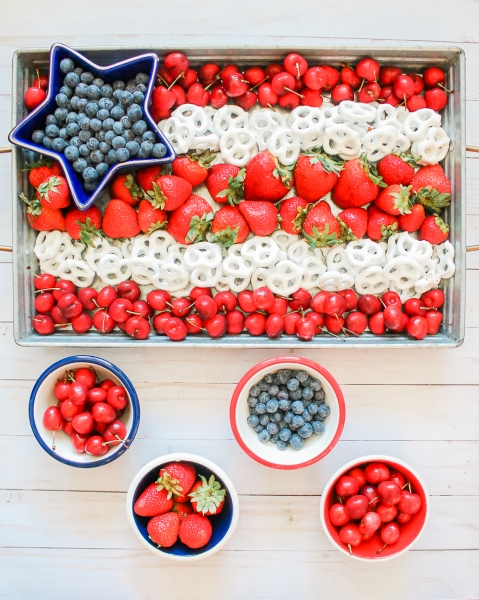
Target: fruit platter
[(240, 197)]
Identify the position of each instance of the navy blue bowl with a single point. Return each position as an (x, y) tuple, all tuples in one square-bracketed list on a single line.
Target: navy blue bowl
[(42, 396), (21, 135), (223, 524)]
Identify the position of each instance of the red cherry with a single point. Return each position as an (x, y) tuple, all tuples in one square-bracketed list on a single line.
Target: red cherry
[(176, 63), (397, 477), (234, 322), (218, 97), (359, 475), (376, 324), (315, 78), (44, 281), (78, 392), (67, 428), (389, 492), (311, 98), (386, 512), (376, 472), (85, 375), (225, 301), (33, 97), (351, 299), (418, 82), (137, 328), (290, 321), (390, 533), (196, 292), (120, 310), (369, 304), (198, 95), (412, 307), (44, 302), (342, 92), (97, 394), (103, 412), (117, 397), (368, 69), (267, 97), (436, 99), (371, 493), (255, 323), (417, 327), (347, 486), (141, 309), (216, 326), (159, 115), (370, 523), (263, 298), (403, 518), (62, 390), (433, 298), (334, 323), (206, 307), (272, 70), (246, 100), (78, 442), (229, 70), (434, 320), (332, 77), (245, 301), (348, 76), (188, 79), (415, 103), (338, 515), (393, 317), (387, 75), (305, 329), (106, 296), (289, 100), (64, 287), (83, 423), (52, 418), (280, 307), (409, 503), (282, 83), (393, 100), (369, 92), (274, 326), (175, 329), (103, 322), (70, 306), (317, 303), (162, 98), (208, 73), (159, 322), (334, 304), (386, 92), (193, 324), (235, 85), (403, 87), (295, 64), (300, 299), (180, 96), (41, 81), (114, 431), (181, 307), (87, 297), (356, 322), (434, 76), (158, 299), (317, 319), (254, 75), (94, 446), (391, 299), (349, 534), (106, 384), (129, 289), (357, 506)]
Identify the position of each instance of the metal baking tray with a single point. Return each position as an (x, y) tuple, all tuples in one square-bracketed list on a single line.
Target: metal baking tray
[(411, 58)]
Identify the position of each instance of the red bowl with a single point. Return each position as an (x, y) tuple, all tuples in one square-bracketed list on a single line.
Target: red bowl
[(410, 532), (315, 447)]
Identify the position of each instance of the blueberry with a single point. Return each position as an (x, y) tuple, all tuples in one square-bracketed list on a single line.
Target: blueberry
[(98, 82), (258, 428), (117, 113), (95, 124), (63, 134), (51, 120), (313, 408), (263, 397), (288, 417), (37, 136), (281, 377), (264, 420), (93, 143), (105, 103), (72, 129), (61, 114), (100, 135), (273, 390), (52, 131), (47, 141), (296, 442), (268, 378), (308, 393), (130, 87), (282, 425), (284, 405), (252, 411), (138, 140), (297, 422), (297, 407), (282, 395), (92, 92), (102, 168), (111, 157), (292, 385), (125, 121), (142, 78), (79, 165), (306, 403), (264, 436), (108, 124), (122, 154), (318, 427), (61, 100), (118, 142), (80, 90), (90, 174), (117, 95), (106, 91), (84, 150), (133, 148), (146, 148), (253, 421), (58, 144), (281, 445), (97, 157), (91, 109), (134, 113), (159, 150), (319, 396), (90, 186), (66, 65), (305, 431), (87, 77), (272, 405), (296, 395), (254, 391), (71, 153), (323, 411), (75, 102), (84, 135), (276, 417), (261, 407), (75, 141), (85, 123), (109, 137), (285, 434), (71, 118), (272, 428), (302, 377), (82, 104), (252, 401), (65, 89), (306, 416), (126, 99), (315, 385), (118, 127), (263, 386), (138, 96)]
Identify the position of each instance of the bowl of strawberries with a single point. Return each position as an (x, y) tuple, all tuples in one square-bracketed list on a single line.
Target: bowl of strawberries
[(182, 507), (84, 411), (374, 508)]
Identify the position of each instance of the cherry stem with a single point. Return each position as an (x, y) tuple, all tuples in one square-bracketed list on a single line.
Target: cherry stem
[(373, 500), (444, 88), (195, 325), (95, 302), (350, 549), (349, 331), (53, 441), (114, 441), (175, 80), (293, 92), (258, 84), (162, 80), (336, 336), (381, 549), (270, 106), (362, 84), (213, 82), (132, 312), (297, 68), (38, 77), (45, 290)]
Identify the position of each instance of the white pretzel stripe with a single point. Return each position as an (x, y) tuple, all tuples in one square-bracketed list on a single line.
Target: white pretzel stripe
[(406, 245), (285, 278), (334, 281), (171, 277), (284, 239), (263, 123), (445, 253), (312, 267), (230, 117), (307, 123), (380, 142), (237, 145), (262, 251), (337, 260), (206, 277), (432, 147), (363, 253), (386, 114), (298, 251), (76, 271), (285, 145), (112, 270), (203, 254), (47, 244), (402, 271), (371, 281), (357, 111), (417, 123), (341, 140), (68, 249), (194, 115), (158, 244), (100, 248), (180, 134), (143, 269)]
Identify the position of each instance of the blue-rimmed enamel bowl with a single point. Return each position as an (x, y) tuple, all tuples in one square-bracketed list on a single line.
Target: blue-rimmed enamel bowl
[(42, 397), (223, 524), (21, 135)]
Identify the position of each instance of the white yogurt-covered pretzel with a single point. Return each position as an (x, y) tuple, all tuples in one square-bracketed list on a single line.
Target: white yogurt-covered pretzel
[(180, 134), (171, 277), (406, 245), (237, 266), (259, 277), (357, 111), (285, 278), (195, 115), (77, 271), (427, 282), (307, 122), (126, 247), (47, 244), (184, 292), (341, 140), (363, 253), (235, 284), (206, 142), (407, 294), (141, 246), (432, 147), (237, 146), (386, 114), (371, 281), (285, 145), (298, 251), (417, 123), (261, 251), (312, 267), (158, 243), (230, 117), (284, 239), (263, 123), (206, 277), (445, 253), (112, 269), (176, 254), (143, 269), (334, 281), (203, 254), (337, 260), (380, 142), (402, 271)]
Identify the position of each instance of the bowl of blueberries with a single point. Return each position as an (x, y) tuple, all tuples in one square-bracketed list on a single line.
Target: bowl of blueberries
[(95, 120), (287, 412)]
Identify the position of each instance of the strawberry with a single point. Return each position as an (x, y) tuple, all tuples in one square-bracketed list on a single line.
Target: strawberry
[(292, 213), (266, 178), (83, 225), (190, 222), (124, 187), (177, 478), (153, 502), (432, 188), (315, 174), (380, 224), (321, 227), (146, 177), (163, 529), (195, 531), (182, 509), (53, 192), (169, 192), (394, 200), (354, 223), (225, 183), (358, 184), (229, 227), (262, 217), (120, 220), (43, 218), (413, 221), (150, 219), (397, 169), (193, 167), (434, 230), (207, 497), (42, 169)]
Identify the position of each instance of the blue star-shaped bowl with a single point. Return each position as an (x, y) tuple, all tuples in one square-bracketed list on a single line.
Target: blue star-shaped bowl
[(21, 135)]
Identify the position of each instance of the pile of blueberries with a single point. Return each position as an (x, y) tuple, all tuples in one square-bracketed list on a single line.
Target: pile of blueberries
[(287, 407), (97, 125)]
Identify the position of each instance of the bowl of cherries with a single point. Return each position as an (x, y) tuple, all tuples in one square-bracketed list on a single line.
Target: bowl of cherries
[(374, 508), (84, 411)]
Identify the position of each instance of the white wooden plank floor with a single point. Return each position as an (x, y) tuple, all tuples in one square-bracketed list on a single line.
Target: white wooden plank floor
[(64, 531)]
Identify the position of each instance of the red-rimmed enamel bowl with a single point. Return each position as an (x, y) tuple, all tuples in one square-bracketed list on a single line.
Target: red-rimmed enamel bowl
[(410, 532), (317, 446)]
